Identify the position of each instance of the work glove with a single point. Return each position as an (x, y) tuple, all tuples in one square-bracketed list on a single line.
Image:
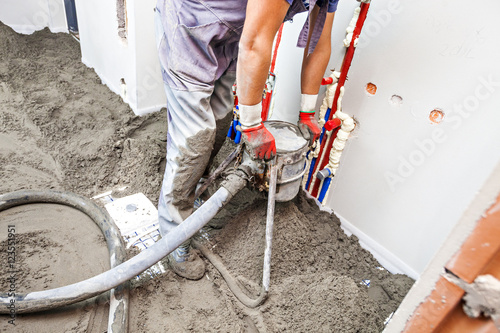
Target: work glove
[(259, 142), (309, 126)]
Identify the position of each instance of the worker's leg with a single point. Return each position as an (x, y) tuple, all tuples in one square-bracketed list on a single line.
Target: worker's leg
[(198, 124), (222, 103), (195, 119), (313, 68), (190, 138)]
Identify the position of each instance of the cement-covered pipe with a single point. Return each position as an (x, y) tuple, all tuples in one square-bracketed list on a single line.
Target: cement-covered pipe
[(53, 298), (118, 314)]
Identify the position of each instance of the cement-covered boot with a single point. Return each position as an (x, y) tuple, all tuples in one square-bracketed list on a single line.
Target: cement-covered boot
[(186, 263)]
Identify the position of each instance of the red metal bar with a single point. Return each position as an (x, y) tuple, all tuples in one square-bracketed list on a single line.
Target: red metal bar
[(331, 125), (266, 101), (276, 46)]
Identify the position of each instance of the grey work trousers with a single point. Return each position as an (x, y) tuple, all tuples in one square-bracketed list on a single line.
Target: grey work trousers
[(195, 119)]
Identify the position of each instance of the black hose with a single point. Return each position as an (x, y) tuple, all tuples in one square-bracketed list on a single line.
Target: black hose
[(119, 296)]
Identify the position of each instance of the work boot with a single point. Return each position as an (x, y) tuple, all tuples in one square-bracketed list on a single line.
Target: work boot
[(186, 263)]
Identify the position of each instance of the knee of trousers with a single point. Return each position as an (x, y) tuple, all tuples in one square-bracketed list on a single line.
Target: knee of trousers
[(183, 171)]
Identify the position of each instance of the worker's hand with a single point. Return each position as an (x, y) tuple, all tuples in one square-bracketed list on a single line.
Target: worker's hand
[(309, 126), (259, 142)]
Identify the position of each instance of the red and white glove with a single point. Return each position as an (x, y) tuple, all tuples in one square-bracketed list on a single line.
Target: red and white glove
[(259, 142), (309, 126)]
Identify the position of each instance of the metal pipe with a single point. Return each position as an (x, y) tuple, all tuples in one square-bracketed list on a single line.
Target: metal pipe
[(266, 275)]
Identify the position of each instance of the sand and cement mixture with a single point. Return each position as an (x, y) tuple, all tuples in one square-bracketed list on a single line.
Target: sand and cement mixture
[(60, 128)]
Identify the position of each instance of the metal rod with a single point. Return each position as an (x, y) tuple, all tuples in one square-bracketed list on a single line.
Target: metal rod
[(266, 276)]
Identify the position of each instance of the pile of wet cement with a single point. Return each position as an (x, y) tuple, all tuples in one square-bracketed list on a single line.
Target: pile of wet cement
[(61, 128)]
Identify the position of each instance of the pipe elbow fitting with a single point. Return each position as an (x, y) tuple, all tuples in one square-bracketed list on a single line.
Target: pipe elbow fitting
[(323, 174)]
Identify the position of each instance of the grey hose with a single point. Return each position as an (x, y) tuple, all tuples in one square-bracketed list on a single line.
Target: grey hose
[(119, 296), (266, 270), (230, 280), (48, 299)]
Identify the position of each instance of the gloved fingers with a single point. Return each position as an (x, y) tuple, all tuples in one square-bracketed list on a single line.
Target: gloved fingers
[(315, 128), (307, 133), (304, 130), (316, 134), (270, 154), (262, 151)]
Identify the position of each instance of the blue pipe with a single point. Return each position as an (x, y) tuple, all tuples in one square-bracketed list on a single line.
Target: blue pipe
[(313, 162), (311, 169), (237, 137), (324, 189), (323, 129)]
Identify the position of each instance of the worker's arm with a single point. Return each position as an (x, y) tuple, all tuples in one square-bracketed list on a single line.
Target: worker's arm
[(313, 69), (263, 19)]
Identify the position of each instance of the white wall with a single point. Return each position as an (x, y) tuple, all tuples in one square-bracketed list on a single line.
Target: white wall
[(422, 288), (102, 48), (150, 90), (403, 182), (134, 60), (28, 16)]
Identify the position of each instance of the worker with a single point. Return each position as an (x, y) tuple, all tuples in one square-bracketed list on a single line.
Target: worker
[(199, 43)]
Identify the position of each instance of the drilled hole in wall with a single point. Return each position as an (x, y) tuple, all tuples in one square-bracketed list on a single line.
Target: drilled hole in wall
[(436, 116), (121, 13), (371, 89), (123, 90), (396, 100)]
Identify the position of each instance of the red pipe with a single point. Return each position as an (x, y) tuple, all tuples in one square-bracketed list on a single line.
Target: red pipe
[(346, 64), (329, 126), (278, 41), (314, 191), (334, 123), (266, 102), (326, 80)]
